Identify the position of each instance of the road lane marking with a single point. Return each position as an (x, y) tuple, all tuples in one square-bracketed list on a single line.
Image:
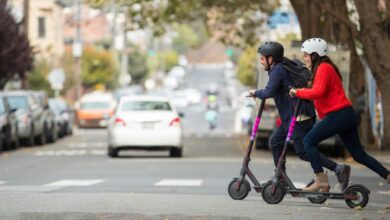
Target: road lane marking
[(98, 152), (2, 182), (179, 182), (384, 192), (61, 153), (29, 188), (74, 183), (88, 145)]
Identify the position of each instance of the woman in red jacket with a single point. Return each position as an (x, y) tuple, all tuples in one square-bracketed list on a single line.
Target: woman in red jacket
[(335, 111)]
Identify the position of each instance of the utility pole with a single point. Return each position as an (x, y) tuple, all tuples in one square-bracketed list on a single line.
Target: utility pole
[(124, 77), (77, 49), (26, 13)]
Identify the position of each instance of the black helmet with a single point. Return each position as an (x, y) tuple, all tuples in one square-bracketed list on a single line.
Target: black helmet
[(273, 49)]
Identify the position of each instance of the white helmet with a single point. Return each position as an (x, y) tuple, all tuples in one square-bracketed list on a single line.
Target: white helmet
[(315, 45)]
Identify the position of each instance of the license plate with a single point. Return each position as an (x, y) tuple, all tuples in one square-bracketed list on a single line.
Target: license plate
[(148, 125)]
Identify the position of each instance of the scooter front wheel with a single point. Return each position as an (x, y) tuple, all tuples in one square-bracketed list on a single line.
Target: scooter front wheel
[(272, 194), (237, 190), (360, 192)]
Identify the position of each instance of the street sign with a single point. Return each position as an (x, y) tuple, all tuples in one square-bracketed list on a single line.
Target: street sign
[(56, 78)]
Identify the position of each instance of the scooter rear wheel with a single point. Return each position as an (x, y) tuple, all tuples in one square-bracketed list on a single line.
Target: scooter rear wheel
[(361, 192), (243, 190), (275, 197), (315, 200)]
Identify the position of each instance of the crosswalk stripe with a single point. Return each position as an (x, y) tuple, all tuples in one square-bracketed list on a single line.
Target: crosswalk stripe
[(179, 182), (384, 192), (61, 153), (74, 183)]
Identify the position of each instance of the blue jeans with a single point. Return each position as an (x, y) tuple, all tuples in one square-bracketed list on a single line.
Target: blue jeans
[(343, 123), (301, 129)]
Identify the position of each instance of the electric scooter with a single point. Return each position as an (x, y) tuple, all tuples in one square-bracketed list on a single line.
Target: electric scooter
[(239, 187), (273, 191)]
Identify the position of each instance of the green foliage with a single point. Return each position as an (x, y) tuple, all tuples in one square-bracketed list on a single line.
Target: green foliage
[(137, 65), (247, 68), (162, 61), (185, 38), (37, 79), (98, 67), (235, 22)]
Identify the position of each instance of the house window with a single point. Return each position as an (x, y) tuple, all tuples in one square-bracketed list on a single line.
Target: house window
[(41, 27)]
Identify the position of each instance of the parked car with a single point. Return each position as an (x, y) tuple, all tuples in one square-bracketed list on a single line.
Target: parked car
[(145, 123), (64, 116), (49, 122), (8, 126), (94, 109), (29, 115)]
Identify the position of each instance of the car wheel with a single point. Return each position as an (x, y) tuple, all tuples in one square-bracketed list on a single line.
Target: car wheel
[(112, 152), (42, 136), (30, 139), (8, 139), (175, 152), (1, 142), (70, 129), (17, 142), (53, 134)]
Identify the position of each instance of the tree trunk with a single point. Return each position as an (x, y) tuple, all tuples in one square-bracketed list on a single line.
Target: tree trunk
[(376, 47)]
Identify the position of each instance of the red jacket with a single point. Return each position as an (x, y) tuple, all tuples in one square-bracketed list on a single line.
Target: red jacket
[(327, 91)]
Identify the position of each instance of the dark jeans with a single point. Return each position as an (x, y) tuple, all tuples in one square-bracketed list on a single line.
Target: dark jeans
[(301, 129), (343, 123)]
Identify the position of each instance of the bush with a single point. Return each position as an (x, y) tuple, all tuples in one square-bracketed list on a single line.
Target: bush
[(247, 68)]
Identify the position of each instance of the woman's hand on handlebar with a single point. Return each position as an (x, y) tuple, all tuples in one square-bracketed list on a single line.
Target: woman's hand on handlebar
[(293, 92)]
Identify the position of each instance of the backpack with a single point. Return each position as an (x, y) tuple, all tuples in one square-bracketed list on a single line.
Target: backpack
[(298, 72)]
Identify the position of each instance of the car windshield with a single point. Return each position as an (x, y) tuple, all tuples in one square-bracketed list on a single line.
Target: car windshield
[(57, 106), (1, 106), (18, 102), (94, 105), (145, 106)]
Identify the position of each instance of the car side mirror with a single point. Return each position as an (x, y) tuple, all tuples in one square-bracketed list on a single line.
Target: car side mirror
[(181, 114)]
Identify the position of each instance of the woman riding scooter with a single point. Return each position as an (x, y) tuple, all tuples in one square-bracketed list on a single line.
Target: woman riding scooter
[(335, 111)]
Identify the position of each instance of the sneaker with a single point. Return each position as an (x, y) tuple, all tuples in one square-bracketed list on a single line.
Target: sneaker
[(343, 176)]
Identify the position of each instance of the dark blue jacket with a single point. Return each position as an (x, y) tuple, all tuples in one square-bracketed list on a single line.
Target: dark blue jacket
[(278, 87)]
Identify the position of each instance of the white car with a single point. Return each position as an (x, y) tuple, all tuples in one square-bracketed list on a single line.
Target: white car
[(145, 123), (179, 99)]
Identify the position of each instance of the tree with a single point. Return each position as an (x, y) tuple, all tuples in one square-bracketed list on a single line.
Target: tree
[(137, 65), (97, 68), (247, 68), (184, 38), (16, 55), (37, 79)]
